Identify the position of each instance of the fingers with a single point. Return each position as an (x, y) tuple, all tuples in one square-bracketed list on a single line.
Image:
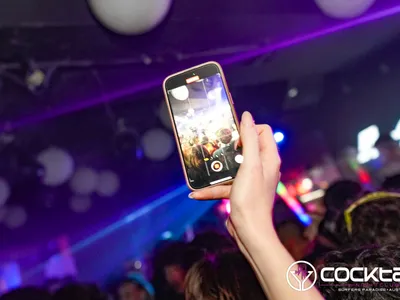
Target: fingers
[(268, 149), (249, 138), (238, 143), (212, 193)]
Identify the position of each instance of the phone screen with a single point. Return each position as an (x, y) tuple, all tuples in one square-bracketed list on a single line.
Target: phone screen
[(205, 126)]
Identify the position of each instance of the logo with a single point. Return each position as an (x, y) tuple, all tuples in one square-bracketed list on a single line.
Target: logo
[(298, 275), (302, 276)]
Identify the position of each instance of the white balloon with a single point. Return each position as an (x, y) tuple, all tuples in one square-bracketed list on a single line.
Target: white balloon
[(58, 166), (180, 93), (4, 191), (157, 144), (15, 217), (130, 17), (344, 9), (163, 113), (108, 184), (84, 181), (80, 204)]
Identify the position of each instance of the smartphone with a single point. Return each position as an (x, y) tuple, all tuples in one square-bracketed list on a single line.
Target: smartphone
[(205, 125)]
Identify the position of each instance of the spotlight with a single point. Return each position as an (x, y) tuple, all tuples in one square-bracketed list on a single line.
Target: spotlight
[(279, 137), (36, 78)]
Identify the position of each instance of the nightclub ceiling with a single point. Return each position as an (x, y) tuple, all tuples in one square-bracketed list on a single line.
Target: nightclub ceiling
[(96, 78)]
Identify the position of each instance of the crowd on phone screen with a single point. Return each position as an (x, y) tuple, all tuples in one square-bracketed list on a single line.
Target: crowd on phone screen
[(199, 150), (211, 267)]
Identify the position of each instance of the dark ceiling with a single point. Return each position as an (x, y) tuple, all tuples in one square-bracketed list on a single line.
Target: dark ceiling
[(99, 77)]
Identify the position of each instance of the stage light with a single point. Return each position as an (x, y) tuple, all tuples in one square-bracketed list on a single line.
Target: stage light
[(366, 144), (130, 17), (35, 79), (166, 235), (180, 93), (344, 9), (395, 134), (305, 186), (279, 137)]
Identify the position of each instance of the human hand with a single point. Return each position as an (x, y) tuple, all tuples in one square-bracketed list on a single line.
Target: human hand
[(253, 191)]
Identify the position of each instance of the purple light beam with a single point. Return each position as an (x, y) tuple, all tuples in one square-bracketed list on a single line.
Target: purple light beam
[(84, 104)]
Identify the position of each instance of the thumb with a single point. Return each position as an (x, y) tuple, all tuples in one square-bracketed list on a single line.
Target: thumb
[(249, 139)]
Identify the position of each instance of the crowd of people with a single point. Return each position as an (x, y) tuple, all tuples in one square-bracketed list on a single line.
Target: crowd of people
[(353, 227), (200, 152)]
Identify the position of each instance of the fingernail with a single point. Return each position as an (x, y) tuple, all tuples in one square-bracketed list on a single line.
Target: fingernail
[(247, 119), (191, 196), (226, 223)]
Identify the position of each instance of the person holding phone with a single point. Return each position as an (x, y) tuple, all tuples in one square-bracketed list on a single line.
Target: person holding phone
[(252, 197)]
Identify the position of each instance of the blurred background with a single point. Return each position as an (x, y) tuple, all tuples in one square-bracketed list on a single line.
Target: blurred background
[(87, 156)]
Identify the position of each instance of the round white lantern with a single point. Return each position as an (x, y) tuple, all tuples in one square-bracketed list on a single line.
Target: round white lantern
[(344, 9), (15, 217), (58, 166), (108, 184), (5, 191), (180, 93), (84, 181), (130, 17), (80, 204), (157, 144)]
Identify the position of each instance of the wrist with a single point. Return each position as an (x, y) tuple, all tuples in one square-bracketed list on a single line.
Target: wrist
[(259, 237)]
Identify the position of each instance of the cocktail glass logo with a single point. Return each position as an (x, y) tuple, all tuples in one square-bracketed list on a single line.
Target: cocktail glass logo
[(299, 275), (302, 276)]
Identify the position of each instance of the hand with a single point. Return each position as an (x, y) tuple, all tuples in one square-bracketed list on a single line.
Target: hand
[(253, 191)]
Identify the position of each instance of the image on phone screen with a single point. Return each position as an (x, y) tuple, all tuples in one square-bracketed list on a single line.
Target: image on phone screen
[(207, 131)]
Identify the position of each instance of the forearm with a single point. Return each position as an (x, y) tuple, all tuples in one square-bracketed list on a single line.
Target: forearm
[(271, 260)]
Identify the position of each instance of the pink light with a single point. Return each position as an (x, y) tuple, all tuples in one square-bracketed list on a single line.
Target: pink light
[(225, 207), (228, 207)]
